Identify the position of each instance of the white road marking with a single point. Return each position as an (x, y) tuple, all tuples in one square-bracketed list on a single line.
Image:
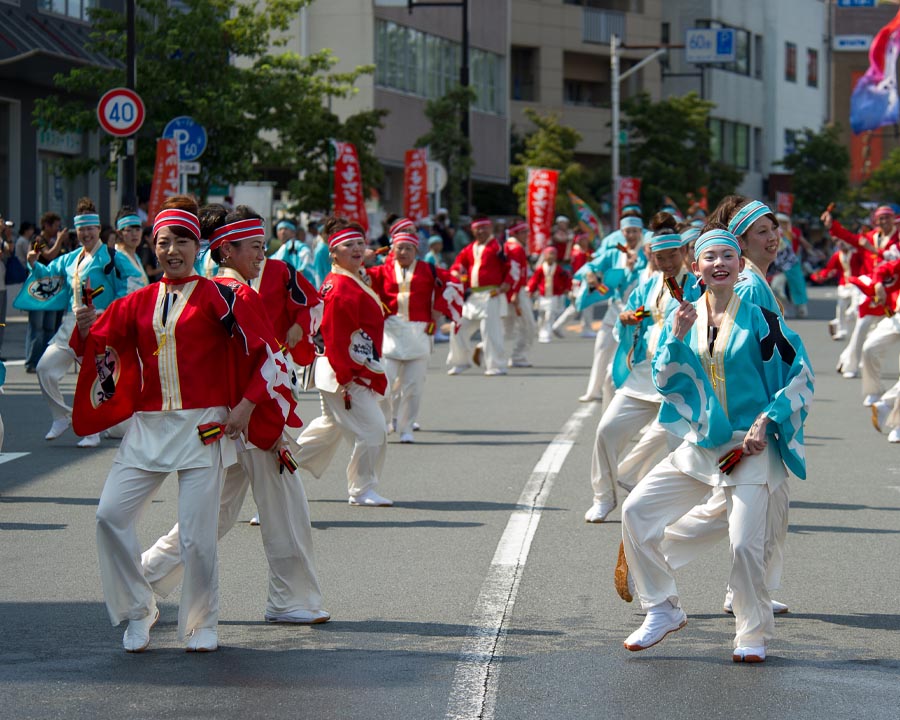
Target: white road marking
[(474, 689), (6, 457), (10, 363)]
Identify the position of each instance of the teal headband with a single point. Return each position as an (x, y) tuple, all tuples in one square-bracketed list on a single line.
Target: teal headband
[(629, 208), (716, 237), (630, 222), (285, 223), (689, 235), (669, 241), (87, 220), (128, 221), (746, 216)]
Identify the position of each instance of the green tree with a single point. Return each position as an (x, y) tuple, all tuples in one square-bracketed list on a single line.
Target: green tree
[(670, 150), (820, 166), (447, 144), (552, 145), (221, 62), (884, 183)]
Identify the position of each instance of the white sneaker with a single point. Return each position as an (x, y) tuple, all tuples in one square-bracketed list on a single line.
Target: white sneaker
[(661, 620), (137, 634), (894, 436), (880, 412), (300, 617), (545, 339), (518, 363), (850, 374), (370, 498), (598, 512), (870, 399), (407, 437), (90, 441), (749, 654), (587, 334), (416, 427), (458, 369), (203, 640), (839, 336), (57, 428), (778, 608), (590, 398), (494, 372), (254, 520)]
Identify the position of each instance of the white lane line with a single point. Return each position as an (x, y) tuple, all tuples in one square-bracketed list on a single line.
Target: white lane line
[(474, 688), (10, 363), (6, 457)]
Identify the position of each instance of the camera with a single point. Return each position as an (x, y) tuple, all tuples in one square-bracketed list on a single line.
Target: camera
[(8, 223)]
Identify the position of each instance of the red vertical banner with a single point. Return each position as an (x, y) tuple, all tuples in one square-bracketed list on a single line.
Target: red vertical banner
[(784, 203), (415, 184), (348, 189), (629, 192), (165, 176), (541, 204)]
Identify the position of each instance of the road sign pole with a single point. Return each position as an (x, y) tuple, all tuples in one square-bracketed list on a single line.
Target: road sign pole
[(128, 185)]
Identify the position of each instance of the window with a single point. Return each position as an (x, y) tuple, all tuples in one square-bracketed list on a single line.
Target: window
[(757, 149), (729, 143), (741, 146), (758, 56), (583, 92), (790, 142), (812, 67), (524, 62), (428, 66), (790, 62), (77, 9), (715, 140)]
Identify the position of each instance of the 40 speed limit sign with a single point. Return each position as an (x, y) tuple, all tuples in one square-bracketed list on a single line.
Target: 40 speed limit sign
[(121, 112)]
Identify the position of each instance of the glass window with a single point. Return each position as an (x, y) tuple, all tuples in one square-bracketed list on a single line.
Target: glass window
[(715, 139), (758, 56), (790, 62), (812, 67), (524, 62), (75, 9), (757, 149), (790, 142), (742, 146)]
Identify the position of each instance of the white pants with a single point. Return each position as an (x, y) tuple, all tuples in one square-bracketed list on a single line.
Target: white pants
[(883, 337), (654, 444), (406, 380), (53, 366), (852, 353), (127, 492), (362, 426), (624, 417), (667, 494), (600, 379), (490, 322), (520, 326), (549, 309), (706, 524), (845, 309), (284, 526)]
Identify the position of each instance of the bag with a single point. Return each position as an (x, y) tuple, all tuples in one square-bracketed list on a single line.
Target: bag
[(15, 271)]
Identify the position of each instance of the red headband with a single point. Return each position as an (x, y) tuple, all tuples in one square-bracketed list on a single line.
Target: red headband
[(476, 224), (174, 217), (518, 227), (342, 236), (237, 231), (402, 224), (406, 237), (884, 210)]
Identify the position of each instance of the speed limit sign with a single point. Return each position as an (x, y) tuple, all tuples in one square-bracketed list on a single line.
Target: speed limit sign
[(121, 112)]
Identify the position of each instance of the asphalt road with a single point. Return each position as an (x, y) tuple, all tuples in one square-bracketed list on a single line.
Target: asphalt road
[(482, 593)]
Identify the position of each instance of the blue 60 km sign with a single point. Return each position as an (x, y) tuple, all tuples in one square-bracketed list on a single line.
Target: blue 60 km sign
[(120, 112), (189, 135)]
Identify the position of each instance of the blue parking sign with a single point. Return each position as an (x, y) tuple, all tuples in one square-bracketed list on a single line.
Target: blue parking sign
[(189, 135), (725, 42)]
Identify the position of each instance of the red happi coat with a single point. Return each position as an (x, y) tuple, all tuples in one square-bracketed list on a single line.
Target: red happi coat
[(212, 350), (518, 267), (493, 269), (430, 289), (841, 268), (562, 281), (874, 238), (290, 299), (353, 329)]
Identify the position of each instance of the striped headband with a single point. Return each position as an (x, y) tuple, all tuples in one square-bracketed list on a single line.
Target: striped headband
[(698, 223), (883, 210), (127, 221), (630, 222), (629, 208), (405, 237), (175, 217), (237, 231), (517, 228), (689, 235), (716, 237), (285, 223), (746, 216), (87, 220), (669, 241), (402, 224), (477, 224), (342, 236)]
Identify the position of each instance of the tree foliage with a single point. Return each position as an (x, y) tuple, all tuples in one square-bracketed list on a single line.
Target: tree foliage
[(883, 184), (552, 146), (447, 144), (223, 63), (820, 166), (670, 150)]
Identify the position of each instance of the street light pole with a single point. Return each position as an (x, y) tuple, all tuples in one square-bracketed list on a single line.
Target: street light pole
[(128, 191)]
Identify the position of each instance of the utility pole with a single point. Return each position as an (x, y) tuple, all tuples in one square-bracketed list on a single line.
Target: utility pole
[(128, 191)]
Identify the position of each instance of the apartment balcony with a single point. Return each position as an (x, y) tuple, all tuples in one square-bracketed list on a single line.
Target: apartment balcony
[(598, 26)]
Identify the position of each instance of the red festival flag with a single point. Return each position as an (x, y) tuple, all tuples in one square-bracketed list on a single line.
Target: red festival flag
[(629, 192), (165, 175), (784, 203), (541, 204), (415, 184), (348, 187)]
